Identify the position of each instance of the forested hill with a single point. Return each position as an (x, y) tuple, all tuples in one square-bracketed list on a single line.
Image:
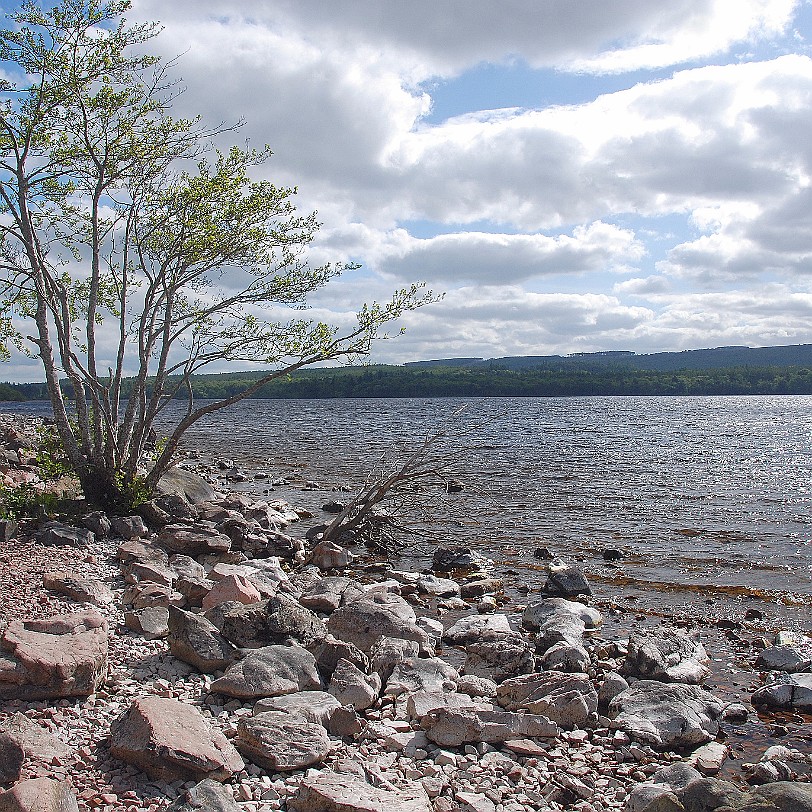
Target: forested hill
[(721, 371)]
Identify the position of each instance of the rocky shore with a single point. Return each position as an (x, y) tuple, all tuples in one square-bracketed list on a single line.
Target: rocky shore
[(198, 656)]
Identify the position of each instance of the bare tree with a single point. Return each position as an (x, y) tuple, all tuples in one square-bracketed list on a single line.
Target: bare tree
[(135, 274)]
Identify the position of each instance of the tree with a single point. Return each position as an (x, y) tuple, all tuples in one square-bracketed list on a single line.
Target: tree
[(137, 252)]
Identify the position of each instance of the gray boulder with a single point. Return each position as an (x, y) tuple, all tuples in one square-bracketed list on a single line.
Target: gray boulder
[(189, 486), (327, 594), (453, 727), (565, 581), (388, 652), (474, 628), (344, 792), (421, 674), (193, 539), (540, 612), (667, 655), (567, 699), (330, 650), (280, 742), (449, 559), (500, 658), (317, 707), (197, 641), (351, 686), (270, 671), (789, 691), (85, 590), (207, 796), (287, 621)]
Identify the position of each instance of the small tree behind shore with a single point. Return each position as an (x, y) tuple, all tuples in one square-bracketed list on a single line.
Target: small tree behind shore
[(137, 255)]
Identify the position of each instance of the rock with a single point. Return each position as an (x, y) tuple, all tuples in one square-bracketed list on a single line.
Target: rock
[(86, 590), (499, 659), (785, 796), (791, 653), (327, 594), (421, 703), (566, 657), (453, 727), (785, 691), (129, 527), (477, 627), (193, 539), (270, 671), (317, 707), (612, 685), (245, 625), (144, 595), (342, 792), (280, 742), (287, 621), (567, 699), (194, 589), (207, 796), (197, 641), (190, 487), (667, 655), (329, 556), (330, 650), (184, 566), (143, 552), (345, 722), (388, 652), (538, 613), (449, 559), (170, 740), (12, 757), (55, 534), (710, 793), (38, 744), (168, 508), (474, 802), (476, 686), (98, 523), (350, 686), (425, 674), (559, 630), (710, 757), (437, 587), (231, 588), (139, 571), (374, 615), (39, 795), (54, 657), (480, 586), (151, 623), (666, 715), (565, 581)]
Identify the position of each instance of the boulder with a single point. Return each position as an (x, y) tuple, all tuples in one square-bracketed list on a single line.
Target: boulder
[(86, 590), (565, 581), (38, 744), (317, 707), (422, 703), (789, 691), (53, 657), (566, 657), (449, 559), (567, 699), (12, 757), (151, 622), (786, 796), (388, 652), (437, 587), (790, 652), (666, 715), (39, 795), (270, 671), (231, 588), (207, 796), (329, 651), (453, 727), (421, 674), (667, 655), (327, 594), (280, 742), (287, 621), (197, 641), (351, 686), (499, 659), (190, 487), (144, 552), (56, 534), (171, 740), (374, 615), (343, 792), (327, 555), (473, 628), (540, 612), (245, 625), (193, 539), (477, 587), (129, 527)]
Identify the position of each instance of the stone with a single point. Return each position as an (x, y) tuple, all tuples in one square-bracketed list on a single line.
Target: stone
[(540, 612), (477, 627), (437, 587), (567, 699), (388, 652), (345, 722), (38, 744), (667, 655), (499, 659), (12, 757), (280, 742), (612, 685), (330, 650), (270, 671), (184, 566), (56, 534), (453, 727), (565, 581), (421, 703), (666, 715), (139, 571), (171, 740), (790, 691), (569, 630), (144, 552), (421, 674), (786, 796), (317, 707), (207, 796), (566, 657), (146, 594), (327, 594), (39, 795), (85, 590), (374, 615), (53, 657), (342, 792), (327, 555), (350, 686), (151, 622), (189, 486), (193, 539), (129, 527), (98, 523), (287, 621), (193, 589), (231, 588), (478, 587), (710, 757), (197, 641), (792, 654), (476, 686), (474, 802), (449, 559)]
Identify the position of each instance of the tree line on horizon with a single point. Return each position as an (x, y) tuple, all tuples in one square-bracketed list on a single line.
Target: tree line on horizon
[(565, 380)]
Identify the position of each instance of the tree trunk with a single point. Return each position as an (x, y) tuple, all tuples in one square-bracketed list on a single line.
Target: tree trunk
[(101, 491)]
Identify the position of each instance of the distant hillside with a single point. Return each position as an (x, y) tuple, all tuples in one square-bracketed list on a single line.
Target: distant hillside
[(719, 371)]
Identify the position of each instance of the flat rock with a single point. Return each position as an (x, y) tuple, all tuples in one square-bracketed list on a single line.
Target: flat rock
[(86, 590), (388, 652), (567, 699), (280, 742), (270, 671), (327, 555), (152, 622), (421, 674), (54, 657), (540, 612), (667, 715), (452, 727), (38, 743), (39, 795), (55, 534), (667, 655), (790, 691), (499, 659), (171, 740), (317, 707), (422, 703), (197, 641), (231, 588), (343, 792), (193, 539), (327, 594), (476, 627), (207, 796)]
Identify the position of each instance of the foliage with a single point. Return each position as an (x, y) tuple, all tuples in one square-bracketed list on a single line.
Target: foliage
[(25, 501), (131, 250)]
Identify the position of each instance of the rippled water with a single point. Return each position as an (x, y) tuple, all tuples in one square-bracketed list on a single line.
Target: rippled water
[(710, 493)]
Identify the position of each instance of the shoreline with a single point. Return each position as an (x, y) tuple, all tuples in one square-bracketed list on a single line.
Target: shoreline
[(607, 768)]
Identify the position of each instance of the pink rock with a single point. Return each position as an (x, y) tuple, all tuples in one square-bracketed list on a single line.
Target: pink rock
[(39, 795), (328, 556), (232, 588), (53, 657), (171, 740)]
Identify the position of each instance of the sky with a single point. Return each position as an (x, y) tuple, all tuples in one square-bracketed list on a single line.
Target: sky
[(573, 175)]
